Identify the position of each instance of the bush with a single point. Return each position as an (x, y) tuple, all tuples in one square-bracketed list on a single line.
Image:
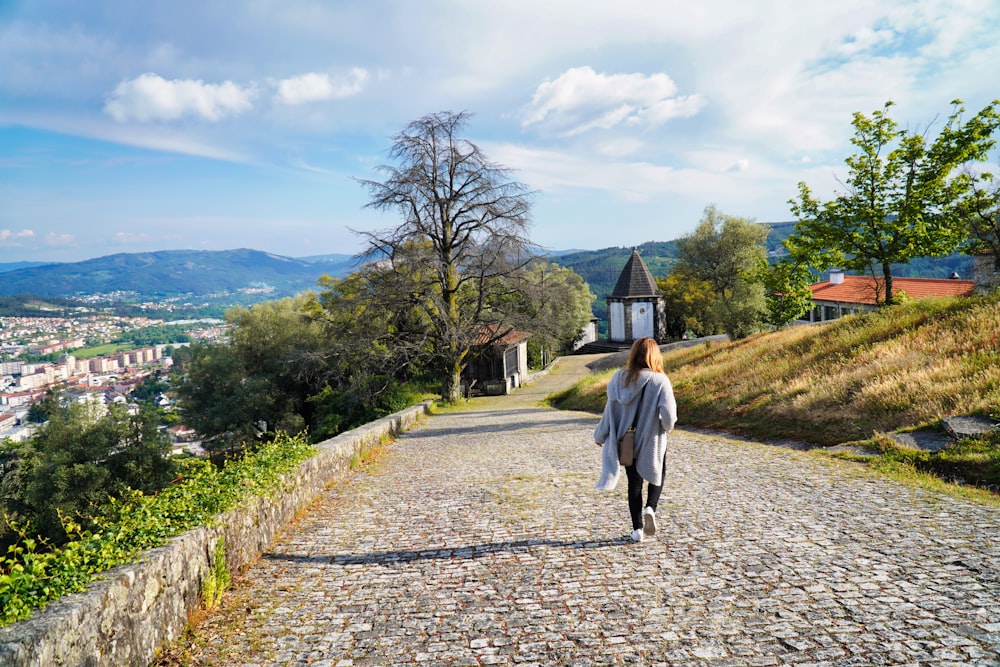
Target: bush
[(31, 576), (77, 460)]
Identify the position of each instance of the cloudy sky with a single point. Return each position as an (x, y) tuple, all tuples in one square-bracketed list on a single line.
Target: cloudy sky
[(209, 124)]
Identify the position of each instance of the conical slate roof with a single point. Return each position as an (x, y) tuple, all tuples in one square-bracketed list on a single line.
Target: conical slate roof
[(635, 279)]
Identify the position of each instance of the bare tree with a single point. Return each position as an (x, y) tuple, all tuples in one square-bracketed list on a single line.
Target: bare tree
[(469, 221)]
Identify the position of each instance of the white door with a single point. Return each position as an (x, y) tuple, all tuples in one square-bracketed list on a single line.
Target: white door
[(642, 320), (616, 321)]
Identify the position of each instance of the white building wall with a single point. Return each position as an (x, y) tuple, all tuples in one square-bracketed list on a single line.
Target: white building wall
[(616, 322)]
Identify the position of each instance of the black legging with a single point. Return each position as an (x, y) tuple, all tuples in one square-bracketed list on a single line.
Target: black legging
[(635, 505)]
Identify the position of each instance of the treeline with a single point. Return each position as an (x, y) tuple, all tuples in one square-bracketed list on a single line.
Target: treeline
[(25, 305), (359, 349), (315, 365), (441, 292), (909, 198)]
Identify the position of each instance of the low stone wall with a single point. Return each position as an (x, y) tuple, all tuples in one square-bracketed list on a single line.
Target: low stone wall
[(132, 610), (538, 375)]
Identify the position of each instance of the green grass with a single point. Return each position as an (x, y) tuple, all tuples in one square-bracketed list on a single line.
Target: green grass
[(847, 381)]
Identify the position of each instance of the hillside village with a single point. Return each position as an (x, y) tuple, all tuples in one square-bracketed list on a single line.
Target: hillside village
[(97, 380)]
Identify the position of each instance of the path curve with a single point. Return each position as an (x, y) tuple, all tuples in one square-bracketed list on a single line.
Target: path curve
[(479, 540)]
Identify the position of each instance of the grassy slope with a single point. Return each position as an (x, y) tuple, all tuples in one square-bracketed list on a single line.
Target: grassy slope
[(843, 381)]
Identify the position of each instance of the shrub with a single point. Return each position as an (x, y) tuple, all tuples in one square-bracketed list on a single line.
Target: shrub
[(31, 576)]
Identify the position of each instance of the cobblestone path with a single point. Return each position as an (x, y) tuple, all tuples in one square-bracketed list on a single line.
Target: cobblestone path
[(479, 540)]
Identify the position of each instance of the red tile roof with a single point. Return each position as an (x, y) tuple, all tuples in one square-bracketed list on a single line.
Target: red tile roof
[(488, 332), (861, 289)]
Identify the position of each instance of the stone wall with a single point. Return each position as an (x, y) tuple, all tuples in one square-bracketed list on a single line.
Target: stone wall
[(986, 272), (132, 610)]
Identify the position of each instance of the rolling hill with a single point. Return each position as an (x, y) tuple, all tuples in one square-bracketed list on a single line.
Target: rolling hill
[(257, 275), (171, 273)]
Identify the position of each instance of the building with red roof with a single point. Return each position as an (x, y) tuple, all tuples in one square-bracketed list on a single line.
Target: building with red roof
[(848, 295)]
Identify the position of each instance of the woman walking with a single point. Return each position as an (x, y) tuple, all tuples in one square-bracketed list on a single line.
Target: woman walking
[(639, 394)]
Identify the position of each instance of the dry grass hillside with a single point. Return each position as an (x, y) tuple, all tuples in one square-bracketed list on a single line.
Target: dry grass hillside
[(849, 380)]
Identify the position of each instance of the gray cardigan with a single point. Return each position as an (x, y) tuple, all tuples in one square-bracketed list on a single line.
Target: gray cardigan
[(657, 416)]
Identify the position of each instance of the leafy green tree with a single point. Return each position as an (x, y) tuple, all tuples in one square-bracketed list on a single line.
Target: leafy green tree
[(556, 306), (39, 411), (688, 303), (786, 284), (220, 397), (464, 228), (82, 457), (323, 362), (259, 381), (377, 339), (150, 387), (11, 505), (979, 210), (724, 252), (900, 196)]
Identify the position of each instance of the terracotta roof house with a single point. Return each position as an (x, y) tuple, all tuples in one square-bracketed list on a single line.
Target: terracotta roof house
[(635, 307), (848, 295)]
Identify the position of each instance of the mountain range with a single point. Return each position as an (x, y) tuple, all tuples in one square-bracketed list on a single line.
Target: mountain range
[(171, 273), (246, 276)]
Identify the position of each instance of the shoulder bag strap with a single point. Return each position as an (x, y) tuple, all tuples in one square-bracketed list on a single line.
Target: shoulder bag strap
[(638, 404)]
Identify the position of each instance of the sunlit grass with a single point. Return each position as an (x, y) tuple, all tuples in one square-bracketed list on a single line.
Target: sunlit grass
[(902, 367)]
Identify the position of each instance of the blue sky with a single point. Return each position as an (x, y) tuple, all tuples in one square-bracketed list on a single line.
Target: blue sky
[(134, 126)]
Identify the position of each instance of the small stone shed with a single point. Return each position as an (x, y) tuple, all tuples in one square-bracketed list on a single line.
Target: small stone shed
[(497, 367), (636, 308)]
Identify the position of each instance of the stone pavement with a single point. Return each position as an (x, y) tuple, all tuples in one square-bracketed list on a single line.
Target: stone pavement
[(479, 540)]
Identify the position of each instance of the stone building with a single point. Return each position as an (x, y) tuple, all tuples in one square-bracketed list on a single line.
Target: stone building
[(986, 272), (636, 308)]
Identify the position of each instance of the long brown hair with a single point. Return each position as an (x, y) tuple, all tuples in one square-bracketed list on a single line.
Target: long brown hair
[(645, 353)]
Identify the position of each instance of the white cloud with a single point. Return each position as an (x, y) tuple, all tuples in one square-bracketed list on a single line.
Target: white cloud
[(635, 181), (315, 87), (150, 97), (8, 235), (581, 99), (865, 39), (619, 148), (54, 239)]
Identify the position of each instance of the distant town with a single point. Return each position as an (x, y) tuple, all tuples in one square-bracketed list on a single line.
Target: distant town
[(26, 377)]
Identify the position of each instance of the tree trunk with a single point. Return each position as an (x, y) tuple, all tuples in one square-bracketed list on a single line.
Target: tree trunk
[(887, 275), (451, 383), (451, 379)]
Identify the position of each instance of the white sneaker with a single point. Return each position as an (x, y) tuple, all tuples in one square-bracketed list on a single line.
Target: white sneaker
[(649, 521), (636, 535)]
